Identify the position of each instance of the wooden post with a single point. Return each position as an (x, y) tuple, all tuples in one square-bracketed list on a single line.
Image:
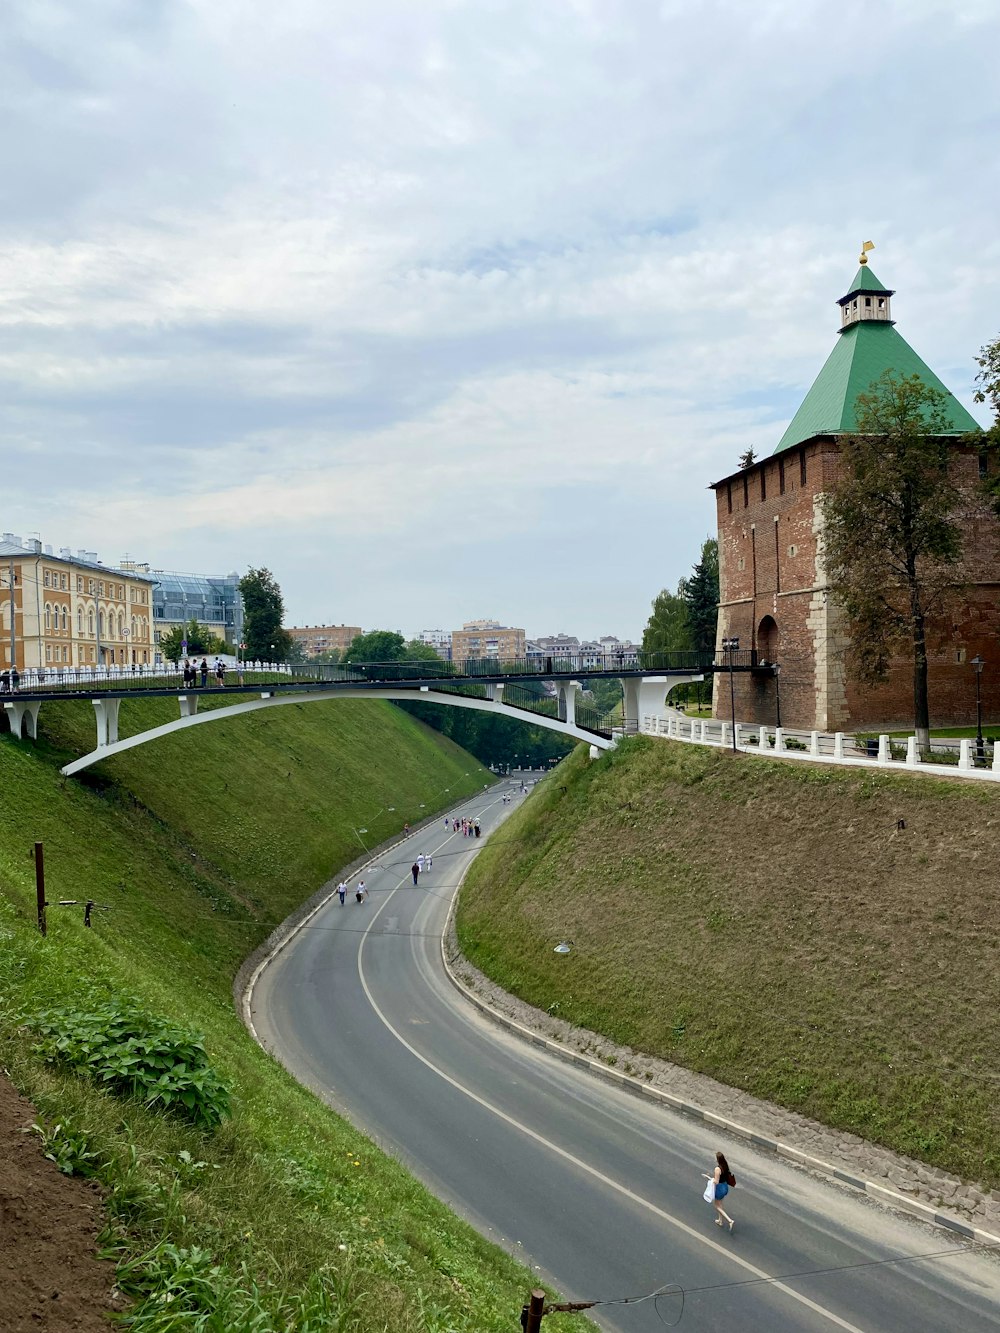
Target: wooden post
[(531, 1314), (40, 885)]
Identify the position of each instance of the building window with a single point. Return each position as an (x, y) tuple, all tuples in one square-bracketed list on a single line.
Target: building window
[(881, 303), (781, 476), (65, 617), (48, 617), (90, 621), (868, 303), (763, 484), (802, 467), (65, 655), (46, 581), (79, 620), (729, 497), (48, 652), (746, 491), (793, 550)]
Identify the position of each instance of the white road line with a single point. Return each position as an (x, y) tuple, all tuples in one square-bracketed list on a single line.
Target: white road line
[(581, 1165)]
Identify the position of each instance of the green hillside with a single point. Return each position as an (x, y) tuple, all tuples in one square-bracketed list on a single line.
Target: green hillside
[(770, 925), (199, 844)]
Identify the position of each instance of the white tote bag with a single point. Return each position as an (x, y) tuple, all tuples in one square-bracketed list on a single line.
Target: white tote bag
[(709, 1195)]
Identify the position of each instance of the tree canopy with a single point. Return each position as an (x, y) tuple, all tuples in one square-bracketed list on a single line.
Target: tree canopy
[(263, 612), (701, 598), (892, 540), (378, 645), (199, 639)]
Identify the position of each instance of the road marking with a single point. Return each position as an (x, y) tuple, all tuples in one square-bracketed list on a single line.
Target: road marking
[(578, 1162)]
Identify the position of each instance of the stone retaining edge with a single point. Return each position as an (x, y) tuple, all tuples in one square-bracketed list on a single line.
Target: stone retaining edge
[(629, 1084)]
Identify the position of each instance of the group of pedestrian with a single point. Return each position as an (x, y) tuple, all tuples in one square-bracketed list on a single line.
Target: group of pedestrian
[(9, 680), (360, 893), (193, 669), (469, 828)]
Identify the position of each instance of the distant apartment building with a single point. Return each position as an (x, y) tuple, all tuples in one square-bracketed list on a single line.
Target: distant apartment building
[(478, 639), (179, 598), (439, 640), (71, 610), (565, 652), (316, 639)]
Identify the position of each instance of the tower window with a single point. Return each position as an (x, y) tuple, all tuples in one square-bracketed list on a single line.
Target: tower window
[(763, 484), (746, 492), (729, 497), (881, 303), (781, 476), (802, 467), (868, 303)]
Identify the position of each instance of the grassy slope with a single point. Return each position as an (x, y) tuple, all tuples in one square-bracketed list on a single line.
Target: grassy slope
[(771, 926), (199, 844)]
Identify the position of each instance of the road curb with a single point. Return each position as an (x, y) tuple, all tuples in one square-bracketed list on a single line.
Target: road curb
[(915, 1207)]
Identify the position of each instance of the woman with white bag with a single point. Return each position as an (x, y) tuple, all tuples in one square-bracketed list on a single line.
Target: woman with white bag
[(718, 1187)]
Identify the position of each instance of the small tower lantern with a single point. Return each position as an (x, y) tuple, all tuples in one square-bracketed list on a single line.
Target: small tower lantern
[(867, 299)]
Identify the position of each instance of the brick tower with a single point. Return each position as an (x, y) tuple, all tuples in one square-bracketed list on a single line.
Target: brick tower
[(773, 590)]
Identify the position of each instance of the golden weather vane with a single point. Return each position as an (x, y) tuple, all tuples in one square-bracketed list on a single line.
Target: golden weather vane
[(865, 247)]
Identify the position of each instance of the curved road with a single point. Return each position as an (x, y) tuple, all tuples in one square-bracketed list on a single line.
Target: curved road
[(595, 1189)]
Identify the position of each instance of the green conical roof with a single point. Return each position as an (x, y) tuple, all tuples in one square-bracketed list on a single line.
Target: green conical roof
[(862, 353), (865, 281)]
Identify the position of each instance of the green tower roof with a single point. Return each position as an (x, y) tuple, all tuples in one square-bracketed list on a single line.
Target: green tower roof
[(863, 352), (865, 281)]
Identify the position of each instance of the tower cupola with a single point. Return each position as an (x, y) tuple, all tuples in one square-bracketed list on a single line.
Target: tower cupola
[(867, 299)]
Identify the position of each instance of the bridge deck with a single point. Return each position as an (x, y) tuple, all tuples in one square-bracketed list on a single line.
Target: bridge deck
[(86, 684)]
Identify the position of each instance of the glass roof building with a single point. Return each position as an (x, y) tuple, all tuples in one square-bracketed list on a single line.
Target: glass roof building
[(216, 603)]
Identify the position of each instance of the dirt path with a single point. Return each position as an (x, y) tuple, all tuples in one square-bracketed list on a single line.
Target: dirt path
[(50, 1276)]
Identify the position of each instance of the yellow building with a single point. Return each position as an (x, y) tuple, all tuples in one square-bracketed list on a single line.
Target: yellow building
[(478, 639), (70, 610)]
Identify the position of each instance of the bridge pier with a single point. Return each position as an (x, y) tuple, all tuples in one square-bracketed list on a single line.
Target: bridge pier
[(566, 694), (189, 704), (107, 720), (23, 719), (646, 696)]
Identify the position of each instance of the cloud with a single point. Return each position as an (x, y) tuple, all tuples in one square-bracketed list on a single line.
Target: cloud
[(387, 294)]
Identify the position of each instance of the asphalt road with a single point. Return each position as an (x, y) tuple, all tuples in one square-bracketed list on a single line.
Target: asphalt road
[(596, 1190)]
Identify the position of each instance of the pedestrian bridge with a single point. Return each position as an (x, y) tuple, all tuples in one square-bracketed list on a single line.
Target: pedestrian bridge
[(507, 688)]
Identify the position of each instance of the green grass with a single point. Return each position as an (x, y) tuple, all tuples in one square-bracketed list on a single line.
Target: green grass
[(769, 926), (199, 844)]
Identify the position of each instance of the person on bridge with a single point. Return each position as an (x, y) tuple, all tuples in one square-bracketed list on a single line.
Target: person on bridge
[(361, 892), (721, 1180), (415, 872), (204, 672), (342, 891), (220, 672)]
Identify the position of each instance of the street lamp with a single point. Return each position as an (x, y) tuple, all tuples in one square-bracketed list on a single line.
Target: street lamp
[(732, 647), (776, 668), (979, 663)]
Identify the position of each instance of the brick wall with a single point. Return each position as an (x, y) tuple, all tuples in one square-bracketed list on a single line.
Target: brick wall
[(773, 596)]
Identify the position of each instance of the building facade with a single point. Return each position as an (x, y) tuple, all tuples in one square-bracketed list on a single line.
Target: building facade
[(478, 639), (439, 640), (316, 639), (774, 595), (66, 611), (180, 598)]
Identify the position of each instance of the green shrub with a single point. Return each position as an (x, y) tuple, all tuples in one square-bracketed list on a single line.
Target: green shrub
[(136, 1054)]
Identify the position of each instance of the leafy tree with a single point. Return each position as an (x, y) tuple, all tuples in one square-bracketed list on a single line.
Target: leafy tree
[(988, 380), (892, 540), (328, 657), (263, 611), (701, 598), (379, 645), (200, 642), (667, 629)]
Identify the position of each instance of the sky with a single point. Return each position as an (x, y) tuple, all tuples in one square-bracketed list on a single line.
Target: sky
[(455, 309)]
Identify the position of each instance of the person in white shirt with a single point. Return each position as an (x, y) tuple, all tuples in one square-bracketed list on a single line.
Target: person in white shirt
[(361, 892)]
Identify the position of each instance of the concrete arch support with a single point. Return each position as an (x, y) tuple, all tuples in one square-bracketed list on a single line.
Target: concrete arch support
[(109, 747), (106, 711), (647, 696), (23, 719)]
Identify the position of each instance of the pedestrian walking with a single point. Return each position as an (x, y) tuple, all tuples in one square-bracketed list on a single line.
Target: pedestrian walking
[(720, 1182), (361, 892), (446, 823), (342, 891), (406, 830), (415, 872), (428, 862), (420, 862), (204, 672)]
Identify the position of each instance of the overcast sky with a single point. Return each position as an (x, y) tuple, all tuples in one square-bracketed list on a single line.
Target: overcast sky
[(454, 308)]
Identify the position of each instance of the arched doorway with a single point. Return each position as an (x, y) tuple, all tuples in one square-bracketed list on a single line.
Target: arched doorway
[(769, 650)]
